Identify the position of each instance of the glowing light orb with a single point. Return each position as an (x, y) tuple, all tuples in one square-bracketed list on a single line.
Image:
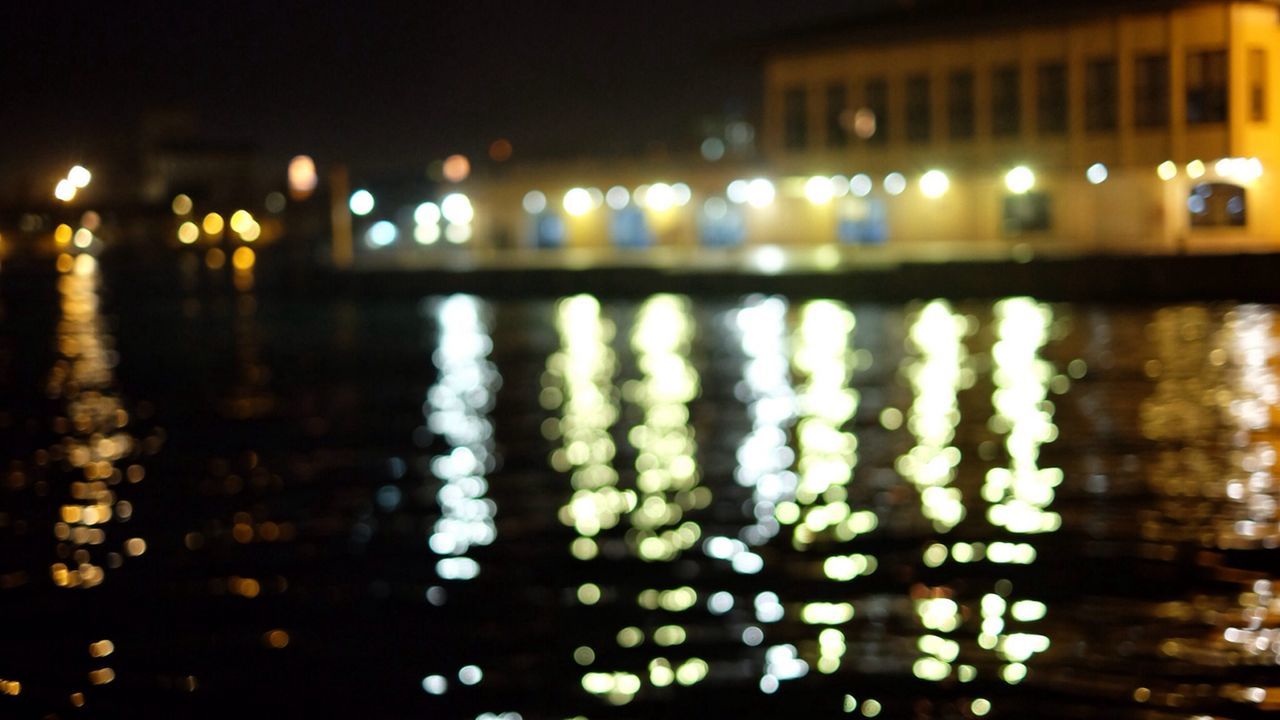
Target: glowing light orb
[(79, 176), (1096, 174), (1020, 180), (934, 184), (577, 202), (895, 183), (361, 202)]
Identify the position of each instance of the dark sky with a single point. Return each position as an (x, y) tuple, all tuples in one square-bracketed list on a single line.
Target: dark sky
[(383, 84)]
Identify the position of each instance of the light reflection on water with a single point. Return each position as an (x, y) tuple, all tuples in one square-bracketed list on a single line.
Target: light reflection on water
[(669, 507)]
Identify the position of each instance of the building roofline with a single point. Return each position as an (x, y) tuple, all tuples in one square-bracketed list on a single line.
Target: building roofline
[(910, 21)]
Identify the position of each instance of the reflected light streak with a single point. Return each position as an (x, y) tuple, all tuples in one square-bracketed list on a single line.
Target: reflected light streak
[(457, 410)]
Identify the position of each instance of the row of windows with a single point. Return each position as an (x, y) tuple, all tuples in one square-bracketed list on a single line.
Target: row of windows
[(1206, 100)]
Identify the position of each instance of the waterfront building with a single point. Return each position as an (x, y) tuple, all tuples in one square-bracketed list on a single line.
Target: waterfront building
[(1142, 126)]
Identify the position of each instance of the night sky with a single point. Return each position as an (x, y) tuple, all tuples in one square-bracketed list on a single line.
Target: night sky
[(385, 85)]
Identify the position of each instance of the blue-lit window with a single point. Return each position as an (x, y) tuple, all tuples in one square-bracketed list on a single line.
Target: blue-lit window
[(629, 229), (861, 221), (548, 230), (1216, 205), (721, 224)]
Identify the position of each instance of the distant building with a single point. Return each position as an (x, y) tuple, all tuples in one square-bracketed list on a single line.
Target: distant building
[(1141, 126)]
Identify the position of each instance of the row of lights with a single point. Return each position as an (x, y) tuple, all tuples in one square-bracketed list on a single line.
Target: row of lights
[(455, 209)]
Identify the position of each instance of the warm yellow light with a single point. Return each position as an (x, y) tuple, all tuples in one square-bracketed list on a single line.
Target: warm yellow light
[(252, 232), (1020, 180), (818, 190), (188, 233), (181, 204), (934, 184), (243, 258), (577, 201), (302, 177), (62, 235), (1167, 170), (241, 220), (660, 197), (212, 223), (79, 176), (456, 168), (64, 190), (1195, 169)]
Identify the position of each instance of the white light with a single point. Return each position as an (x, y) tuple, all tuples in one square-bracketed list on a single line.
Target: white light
[(597, 197), (577, 201), (1096, 174), (470, 675), (682, 194), (361, 202), (534, 202), (1225, 167), (618, 197), (1252, 169), (1167, 170), (818, 190), (435, 684), (428, 213), (768, 259), (659, 197), (895, 183), (382, 233), (64, 190), (426, 234), (860, 185), (1195, 169), (83, 238), (457, 209), (457, 233), (1020, 180), (934, 184), (760, 193), (839, 185), (737, 192), (79, 176)]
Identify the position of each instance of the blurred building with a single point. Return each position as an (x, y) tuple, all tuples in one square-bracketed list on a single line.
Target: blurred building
[(1145, 126)]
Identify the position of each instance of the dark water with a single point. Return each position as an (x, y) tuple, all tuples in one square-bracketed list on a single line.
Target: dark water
[(224, 502)]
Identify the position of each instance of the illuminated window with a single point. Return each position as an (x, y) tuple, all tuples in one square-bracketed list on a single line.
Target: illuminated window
[(1257, 85), (1024, 213), (919, 116), (1207, 87), (629, 229), (1051, 98), (1100, 95), (1216, 205), (795, 119), (548, 230), (837, 104), (861, 221), (721, 224), (1006, 101), (960, 104), (1151, 91), (877, 100)]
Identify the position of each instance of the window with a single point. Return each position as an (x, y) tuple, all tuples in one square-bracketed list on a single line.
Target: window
[(1026, 213), (837, 103), (877, 96), (960, 105), (721, 224), (548, 230), (1207, 87), (919, 117), (1216, 205), (629, 229), (1006, 101), (1100, 95), (1051, 98), (1151, 91), (795, 119), (1257, 85), (861, 221)]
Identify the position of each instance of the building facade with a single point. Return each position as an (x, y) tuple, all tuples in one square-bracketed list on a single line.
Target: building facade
[(1144, 126)]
